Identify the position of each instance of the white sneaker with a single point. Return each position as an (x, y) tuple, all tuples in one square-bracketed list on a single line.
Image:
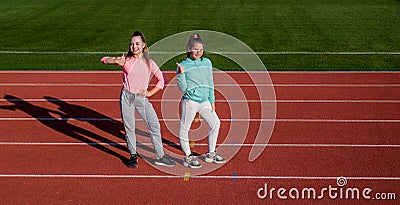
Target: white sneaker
[(214, 157), (191, 161)]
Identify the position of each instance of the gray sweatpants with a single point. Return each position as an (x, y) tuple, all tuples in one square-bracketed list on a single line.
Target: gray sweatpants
[(129, 102)]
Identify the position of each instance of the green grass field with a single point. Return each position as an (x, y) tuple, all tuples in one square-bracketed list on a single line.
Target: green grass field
[(74, 34)]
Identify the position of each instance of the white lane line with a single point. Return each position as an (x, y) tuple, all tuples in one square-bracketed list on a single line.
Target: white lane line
[(200, 144), (62, 84), (223, 120), (372, 178), (216, 71), (213, 52), (216, 85), (178, 100)]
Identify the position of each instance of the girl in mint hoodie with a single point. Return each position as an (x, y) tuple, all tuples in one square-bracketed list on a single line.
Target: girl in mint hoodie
[(195, 79)]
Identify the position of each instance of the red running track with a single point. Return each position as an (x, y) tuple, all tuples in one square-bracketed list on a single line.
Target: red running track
[(62, 140)]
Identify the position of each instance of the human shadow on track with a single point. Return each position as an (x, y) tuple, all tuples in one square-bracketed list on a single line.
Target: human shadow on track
[(67, 111), (104, 123), (61, 124)]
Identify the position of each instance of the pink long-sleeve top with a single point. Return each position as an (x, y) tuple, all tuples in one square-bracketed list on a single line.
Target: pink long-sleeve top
[(137, 75)]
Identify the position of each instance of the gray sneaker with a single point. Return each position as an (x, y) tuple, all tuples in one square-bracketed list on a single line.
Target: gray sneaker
[(191, 161), (214, 157), (164, 161)]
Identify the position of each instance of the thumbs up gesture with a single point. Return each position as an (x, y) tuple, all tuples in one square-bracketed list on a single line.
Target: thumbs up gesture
[(180, 69), (120, 60)]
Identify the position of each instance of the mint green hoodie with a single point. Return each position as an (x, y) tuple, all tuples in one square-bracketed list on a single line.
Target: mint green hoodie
[(197, 81)]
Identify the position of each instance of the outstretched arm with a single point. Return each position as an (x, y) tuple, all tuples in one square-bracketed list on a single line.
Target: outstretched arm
[(119, 61)]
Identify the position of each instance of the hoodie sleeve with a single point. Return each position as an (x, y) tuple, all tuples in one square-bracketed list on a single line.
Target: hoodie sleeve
[(181, 78), (211, 96)]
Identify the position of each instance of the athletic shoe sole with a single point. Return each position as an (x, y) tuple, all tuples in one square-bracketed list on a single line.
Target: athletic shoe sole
[(190, 166), (219, 162), (133, 166), (163, 164), (209, 160)]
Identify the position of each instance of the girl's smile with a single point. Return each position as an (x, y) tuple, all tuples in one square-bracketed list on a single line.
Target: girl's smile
[(137, 46), (197, 51)]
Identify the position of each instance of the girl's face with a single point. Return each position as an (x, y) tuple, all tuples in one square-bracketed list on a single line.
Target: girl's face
[(137, 45), (197, 51)]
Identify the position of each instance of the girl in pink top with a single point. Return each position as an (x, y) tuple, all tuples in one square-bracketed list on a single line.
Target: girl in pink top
[(138, 69)]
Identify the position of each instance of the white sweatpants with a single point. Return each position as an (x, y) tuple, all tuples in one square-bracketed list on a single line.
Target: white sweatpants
[(189, 109)]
